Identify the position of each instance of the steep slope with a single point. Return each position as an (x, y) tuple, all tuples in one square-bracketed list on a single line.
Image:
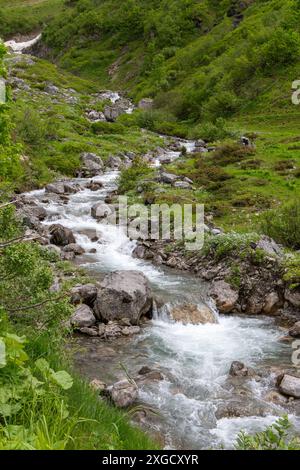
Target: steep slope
[(199, 59)]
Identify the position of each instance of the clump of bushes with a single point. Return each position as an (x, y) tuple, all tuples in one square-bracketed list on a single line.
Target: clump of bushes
[(130, 177), (231, 153), (210, 131), (107, 128), (228, 244), (283, 224)]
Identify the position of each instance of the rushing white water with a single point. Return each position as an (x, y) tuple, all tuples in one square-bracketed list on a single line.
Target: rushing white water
[(194, 358), (172, 155), (18, 47)]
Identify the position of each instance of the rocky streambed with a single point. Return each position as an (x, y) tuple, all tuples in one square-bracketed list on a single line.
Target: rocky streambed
[(181, 372)]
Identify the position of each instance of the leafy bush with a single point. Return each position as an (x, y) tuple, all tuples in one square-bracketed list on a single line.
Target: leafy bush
[(107, 128), (275, 437), (133, 175), (229, 244), (292, 270), (282, 48), (210, 132), (283, 224), (231, 153)]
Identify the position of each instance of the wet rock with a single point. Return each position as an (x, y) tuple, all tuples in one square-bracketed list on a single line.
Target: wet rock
[(139, 252), (31, 215), (86, 293), (101, 211), (272, 303), (112, 330), (98, 385), (71, 188), (293, 297), (60, 235), (144, 370), (114, 162), (93, 332), (276, 398), (131, 330), (242, 408), (94, 185), (83, 317), (149, 377), (123, 393), (238, 369), (194, 314), (225, 297), (124, 294), (56, 188), (290, 386), (92, 164), (200, 143), (69, 256), (295, 330), (75, 248)]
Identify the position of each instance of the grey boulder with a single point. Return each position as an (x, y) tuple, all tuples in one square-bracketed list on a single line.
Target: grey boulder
[(123, 294), (61, 236), (83, 317), (290, 386)]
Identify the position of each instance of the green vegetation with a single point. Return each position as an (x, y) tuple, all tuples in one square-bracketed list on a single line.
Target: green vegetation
[(52, 131), (275, 437), (26, 16), (283, 224), (43, 404)]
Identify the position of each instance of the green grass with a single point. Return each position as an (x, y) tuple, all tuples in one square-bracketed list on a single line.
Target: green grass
[(26, 16)]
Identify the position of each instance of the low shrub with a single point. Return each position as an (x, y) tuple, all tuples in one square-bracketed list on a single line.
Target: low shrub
[(231, 153), (283, 224), (275, 437)]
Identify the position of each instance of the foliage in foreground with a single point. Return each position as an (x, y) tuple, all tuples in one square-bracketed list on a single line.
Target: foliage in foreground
[(43, 404), (275, 437)]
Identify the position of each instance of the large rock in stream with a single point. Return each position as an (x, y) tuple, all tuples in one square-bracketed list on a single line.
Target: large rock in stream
[(123, 393), (290, 386), (92, 164), (61, 236), (193, 314), (124, 294), (225, 297)]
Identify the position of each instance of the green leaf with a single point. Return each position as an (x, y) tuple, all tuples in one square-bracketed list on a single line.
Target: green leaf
[(62, 378)]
